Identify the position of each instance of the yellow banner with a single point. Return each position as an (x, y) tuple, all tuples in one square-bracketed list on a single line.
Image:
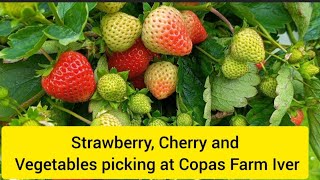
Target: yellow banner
[(155, 152)]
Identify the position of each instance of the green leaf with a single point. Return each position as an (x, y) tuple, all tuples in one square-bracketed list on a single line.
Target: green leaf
[(207, 99), (314, 124), (285, 95), (91, 5), (75, 19), (20, 79), (63, 8), (191, 86), (215, 47), (313, 32), (301, 15), (24, 43), (6, 29), (228, 94), (272, 16), (262, 109)]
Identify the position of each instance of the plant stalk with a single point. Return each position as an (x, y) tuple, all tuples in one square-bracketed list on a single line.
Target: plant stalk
[(69, 112), (53, 9)]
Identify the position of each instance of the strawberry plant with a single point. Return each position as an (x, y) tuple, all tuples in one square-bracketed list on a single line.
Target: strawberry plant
[(161, 64)]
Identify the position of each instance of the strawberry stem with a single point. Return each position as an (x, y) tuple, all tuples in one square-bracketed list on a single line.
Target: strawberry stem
[(224, 19), (207, 54), (69, 112), (263, 67), (277, 57), (267, 35), (53, 9), (46, 54), (290, 34), (149, 116), (32, 100)]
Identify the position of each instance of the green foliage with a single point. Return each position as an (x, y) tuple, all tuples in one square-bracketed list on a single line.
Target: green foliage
[(191, 80), (228, 94), (24, 43), (313, 32), (285, 95), (74, 19), (20, 79)]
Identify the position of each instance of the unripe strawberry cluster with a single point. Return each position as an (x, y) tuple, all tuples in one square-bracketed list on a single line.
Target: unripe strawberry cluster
[(247, 46)]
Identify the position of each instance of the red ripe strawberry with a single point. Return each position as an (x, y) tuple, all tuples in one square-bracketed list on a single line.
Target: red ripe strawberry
[(71, 79), (297, 120), (194, 26), (136, 59), (138, 82), (164, 32)]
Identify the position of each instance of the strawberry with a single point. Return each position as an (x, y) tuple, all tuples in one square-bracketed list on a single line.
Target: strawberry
[(140, 104), (157, 122), (232, 69), (71, 79), (261, 64), (194, 26), (120, 30), (122, 116), (164, 32), (295, 56), (298, 118), (136, 122), (161, 79), (138, 82), (184, 119), (238, 120), (268, 87), (16, 10), (112, 87), (247, 45), (136, 59), (110, 7), (106, 119), (308, 70), (31, 123)]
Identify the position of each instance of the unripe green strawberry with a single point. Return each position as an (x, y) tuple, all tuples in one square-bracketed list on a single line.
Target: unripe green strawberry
[(295, 57), (16, 10), (308, 70), (136, 122), (184, 119), (233, 69), (106, 119), (120, 30), (268, 87), (238, 120), (311, 54), (110, 7), (3, 92), (161, 79), (112, 87), (140, 104), (157, 122), (122, 116), (247, 45), (31, 123)]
